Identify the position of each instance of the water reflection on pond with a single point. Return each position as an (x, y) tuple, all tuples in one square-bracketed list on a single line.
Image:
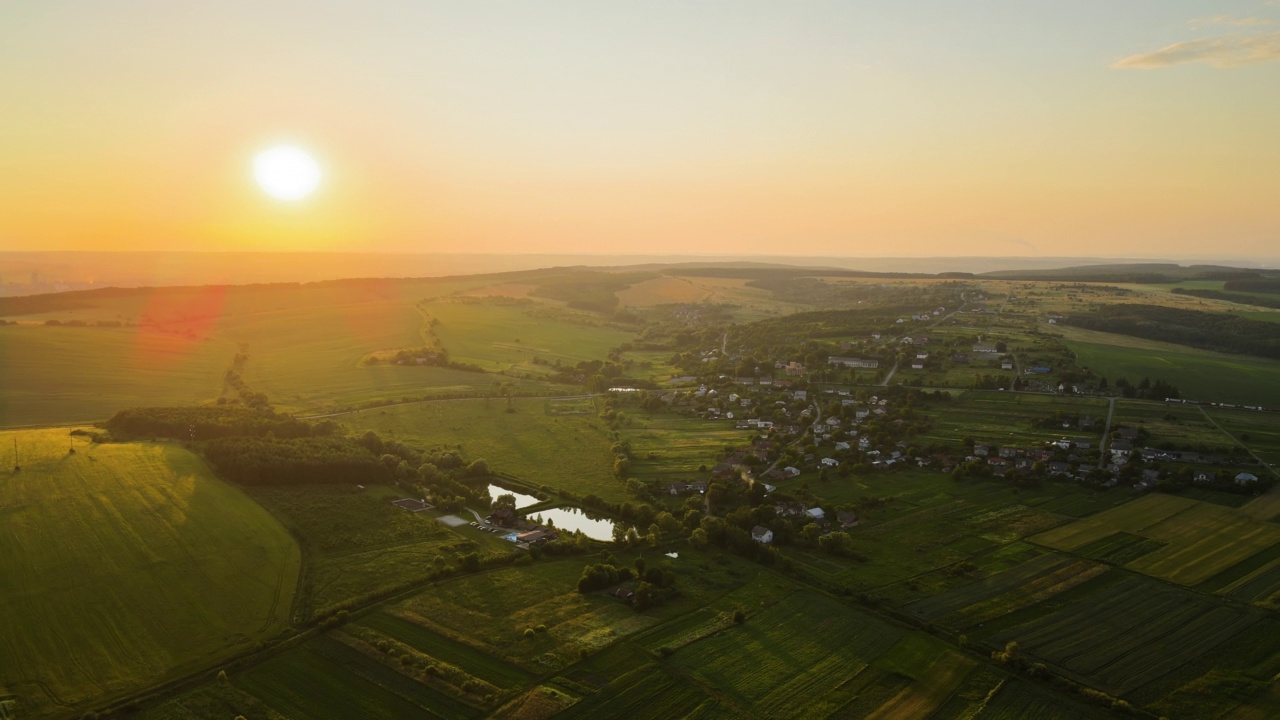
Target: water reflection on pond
[(522, 501), (572, 519)]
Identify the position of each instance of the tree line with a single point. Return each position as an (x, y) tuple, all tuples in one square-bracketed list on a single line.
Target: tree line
[(1219, 332)]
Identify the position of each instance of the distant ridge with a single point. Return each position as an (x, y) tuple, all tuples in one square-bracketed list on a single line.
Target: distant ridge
[(39, 272)]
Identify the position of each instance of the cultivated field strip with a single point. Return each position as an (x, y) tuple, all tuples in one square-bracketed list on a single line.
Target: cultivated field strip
[(1129, 634)]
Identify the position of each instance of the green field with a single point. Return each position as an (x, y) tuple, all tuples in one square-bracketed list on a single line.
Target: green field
[(1125, 634), (669, 447), (357, 544), (125, 564), (1007, 418), (534, 443), (72, 374), (326, 679), (1198, 374), (501, 336)]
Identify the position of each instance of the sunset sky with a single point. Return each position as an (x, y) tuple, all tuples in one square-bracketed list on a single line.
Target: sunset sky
[(1137, 128)]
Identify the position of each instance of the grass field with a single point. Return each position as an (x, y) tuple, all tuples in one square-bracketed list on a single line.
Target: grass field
[(125, 563), (499, 336), (1198, 374), (358, 543), (68, 374), (570, 452), (669, 447)]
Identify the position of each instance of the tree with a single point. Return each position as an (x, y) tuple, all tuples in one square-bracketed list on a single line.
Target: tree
[(478, 468), (506, 502)]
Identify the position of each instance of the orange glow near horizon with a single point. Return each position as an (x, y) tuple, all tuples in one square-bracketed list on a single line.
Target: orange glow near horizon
[(776, 130)]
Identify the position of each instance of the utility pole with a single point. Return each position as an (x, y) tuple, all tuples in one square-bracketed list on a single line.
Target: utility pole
[(16, 465)]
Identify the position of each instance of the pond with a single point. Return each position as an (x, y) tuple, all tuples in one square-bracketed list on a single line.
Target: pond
[(522, 501), (572, 519)]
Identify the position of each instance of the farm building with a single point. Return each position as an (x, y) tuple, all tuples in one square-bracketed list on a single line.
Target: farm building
[(536, 537), (762, 534)]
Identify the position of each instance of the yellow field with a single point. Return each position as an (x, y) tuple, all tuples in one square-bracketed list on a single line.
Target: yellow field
[(1202, 538)]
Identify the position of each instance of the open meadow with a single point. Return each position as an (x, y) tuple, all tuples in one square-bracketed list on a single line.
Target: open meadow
[(1198, 374), (537, 442), (58, 375), (125, 564)]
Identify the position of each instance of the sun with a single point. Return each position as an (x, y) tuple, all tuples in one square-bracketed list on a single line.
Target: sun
[(286, 173)]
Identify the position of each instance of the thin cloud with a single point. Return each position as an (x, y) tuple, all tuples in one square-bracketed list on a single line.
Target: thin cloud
[(1224, 52), (1230, 20)]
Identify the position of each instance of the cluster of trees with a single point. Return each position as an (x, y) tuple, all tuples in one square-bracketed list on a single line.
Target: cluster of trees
[(249, 398), (1231, 297), (1270, 285), (1220, 332), (602, 575), (1147, 390), (295, 461), (205, 423), (441, 473), (653, 589)]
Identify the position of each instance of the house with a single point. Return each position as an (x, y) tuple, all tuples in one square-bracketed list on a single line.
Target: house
[(417, 506), (1006, 364), (1203, 477), (794, 368), (800, 394), (842, 445), (854, 362), (816, 514), (1059, 468), (1245, 478), (1007, 452), (917, 366), (847, 519), (791, 471), (1082, 443), (861, 414), (985, 349), (981, 450), (830, 462), (1128, 433), (622, 594), (960, 359), (683, 488), (922, 356), (762, 534)]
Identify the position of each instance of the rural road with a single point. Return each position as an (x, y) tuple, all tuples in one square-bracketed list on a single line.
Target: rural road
[(454, 399), (887, 378), (1106, 432), (1213, 422)]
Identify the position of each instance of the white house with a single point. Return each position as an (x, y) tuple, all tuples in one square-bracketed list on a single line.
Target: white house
[(1245, 478), (816, 513), (762, 534), (830, 462), (792, 471)]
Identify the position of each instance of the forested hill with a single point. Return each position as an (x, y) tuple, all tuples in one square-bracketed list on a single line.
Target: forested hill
[(1209, 331)]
